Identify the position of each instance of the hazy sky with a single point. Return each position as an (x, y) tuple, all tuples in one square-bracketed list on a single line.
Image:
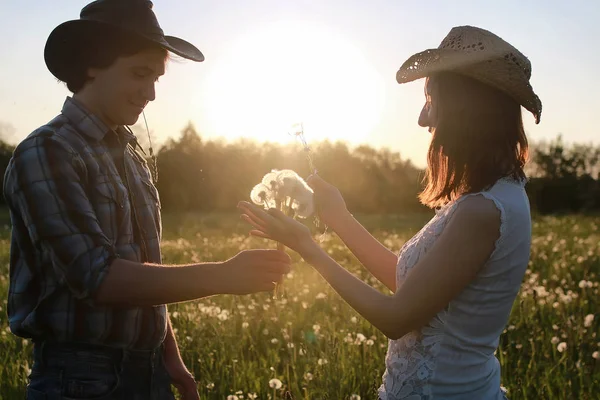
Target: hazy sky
[(328, 63)]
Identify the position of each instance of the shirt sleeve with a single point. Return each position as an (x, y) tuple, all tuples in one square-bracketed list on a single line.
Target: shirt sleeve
[(44, 185)]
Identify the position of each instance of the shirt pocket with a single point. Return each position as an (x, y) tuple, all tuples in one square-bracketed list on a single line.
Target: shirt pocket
[(110, 200), (152, 193), (109, 189)]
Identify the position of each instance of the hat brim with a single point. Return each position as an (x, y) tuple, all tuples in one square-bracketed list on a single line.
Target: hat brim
[(65, 40), (433, 61)]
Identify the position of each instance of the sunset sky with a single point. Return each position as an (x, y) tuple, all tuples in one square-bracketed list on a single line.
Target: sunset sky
[(330, 64)]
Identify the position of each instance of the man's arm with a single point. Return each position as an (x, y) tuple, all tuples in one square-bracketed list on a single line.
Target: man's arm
[(170, 342), (45, 186), (249, 271)]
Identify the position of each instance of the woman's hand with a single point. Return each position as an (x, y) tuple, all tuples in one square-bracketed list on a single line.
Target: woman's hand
[(275, 225), (329, 202)]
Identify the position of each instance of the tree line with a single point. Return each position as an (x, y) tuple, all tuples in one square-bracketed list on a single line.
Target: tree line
[(213, 175)]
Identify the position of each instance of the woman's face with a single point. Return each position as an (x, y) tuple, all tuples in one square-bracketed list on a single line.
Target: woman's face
[(428, 116)]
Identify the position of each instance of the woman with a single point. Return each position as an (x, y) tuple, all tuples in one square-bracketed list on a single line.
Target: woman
[(455, 281)]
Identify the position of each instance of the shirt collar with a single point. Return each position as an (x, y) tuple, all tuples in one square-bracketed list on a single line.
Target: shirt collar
[(90, 125)]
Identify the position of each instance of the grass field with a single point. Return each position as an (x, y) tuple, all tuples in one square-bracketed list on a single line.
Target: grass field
[(319, 348)]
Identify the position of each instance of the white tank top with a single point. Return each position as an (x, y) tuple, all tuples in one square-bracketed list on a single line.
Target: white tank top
[(452, 357)]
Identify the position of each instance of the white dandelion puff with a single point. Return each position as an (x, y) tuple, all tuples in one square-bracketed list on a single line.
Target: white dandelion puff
[(262, 195), (275, 384), (562, 346), (270, 180), (587, 322)]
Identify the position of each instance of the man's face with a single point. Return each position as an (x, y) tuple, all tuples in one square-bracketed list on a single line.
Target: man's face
[(122, 90)]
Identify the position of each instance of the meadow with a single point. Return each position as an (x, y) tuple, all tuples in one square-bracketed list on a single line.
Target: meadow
[(309, 343)]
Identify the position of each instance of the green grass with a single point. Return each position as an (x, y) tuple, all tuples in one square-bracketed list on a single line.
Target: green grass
[(321, 349)]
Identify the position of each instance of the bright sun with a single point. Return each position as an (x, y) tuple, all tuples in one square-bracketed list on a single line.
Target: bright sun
[(288, 73)]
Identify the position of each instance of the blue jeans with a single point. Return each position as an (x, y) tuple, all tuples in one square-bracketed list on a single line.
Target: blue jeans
[(83, 371)]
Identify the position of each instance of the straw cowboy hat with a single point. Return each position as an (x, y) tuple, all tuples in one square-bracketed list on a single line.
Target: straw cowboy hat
[(481, 55), (130, 17)]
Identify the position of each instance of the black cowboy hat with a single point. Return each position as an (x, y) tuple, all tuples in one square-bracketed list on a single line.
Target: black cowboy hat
[(131, 17)]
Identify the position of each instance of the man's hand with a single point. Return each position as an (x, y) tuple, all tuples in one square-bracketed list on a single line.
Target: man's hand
[(252, 271), (180, 376)]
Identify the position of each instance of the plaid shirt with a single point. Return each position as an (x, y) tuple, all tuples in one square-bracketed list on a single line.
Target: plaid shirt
[(75, 189)]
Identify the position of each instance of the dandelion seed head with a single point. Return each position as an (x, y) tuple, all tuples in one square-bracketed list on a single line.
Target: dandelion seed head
[(562, 346), (261, 195), (275, 384)]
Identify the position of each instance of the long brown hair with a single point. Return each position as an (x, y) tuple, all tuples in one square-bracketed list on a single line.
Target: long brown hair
[(478, 138)]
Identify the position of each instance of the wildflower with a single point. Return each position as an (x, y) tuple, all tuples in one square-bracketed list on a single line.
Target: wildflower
[(245, 324), (232, 397), (321, 296), (286, 190), (322, 361), (274, 341), (360, 338), (261, 194), (210, 386), (354, 320), (596, 355), (555, 340), (562, 346), (588, 320), (275, 384), (252, 396), (308, 376), (355, 397)]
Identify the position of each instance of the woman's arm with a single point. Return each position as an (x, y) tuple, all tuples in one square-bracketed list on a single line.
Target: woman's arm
[(377, 258), (444, 271)]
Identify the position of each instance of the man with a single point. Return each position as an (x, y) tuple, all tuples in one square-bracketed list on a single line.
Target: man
[(86, 280)]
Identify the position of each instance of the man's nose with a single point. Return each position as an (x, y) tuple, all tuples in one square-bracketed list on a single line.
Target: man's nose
[(150, 92)]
